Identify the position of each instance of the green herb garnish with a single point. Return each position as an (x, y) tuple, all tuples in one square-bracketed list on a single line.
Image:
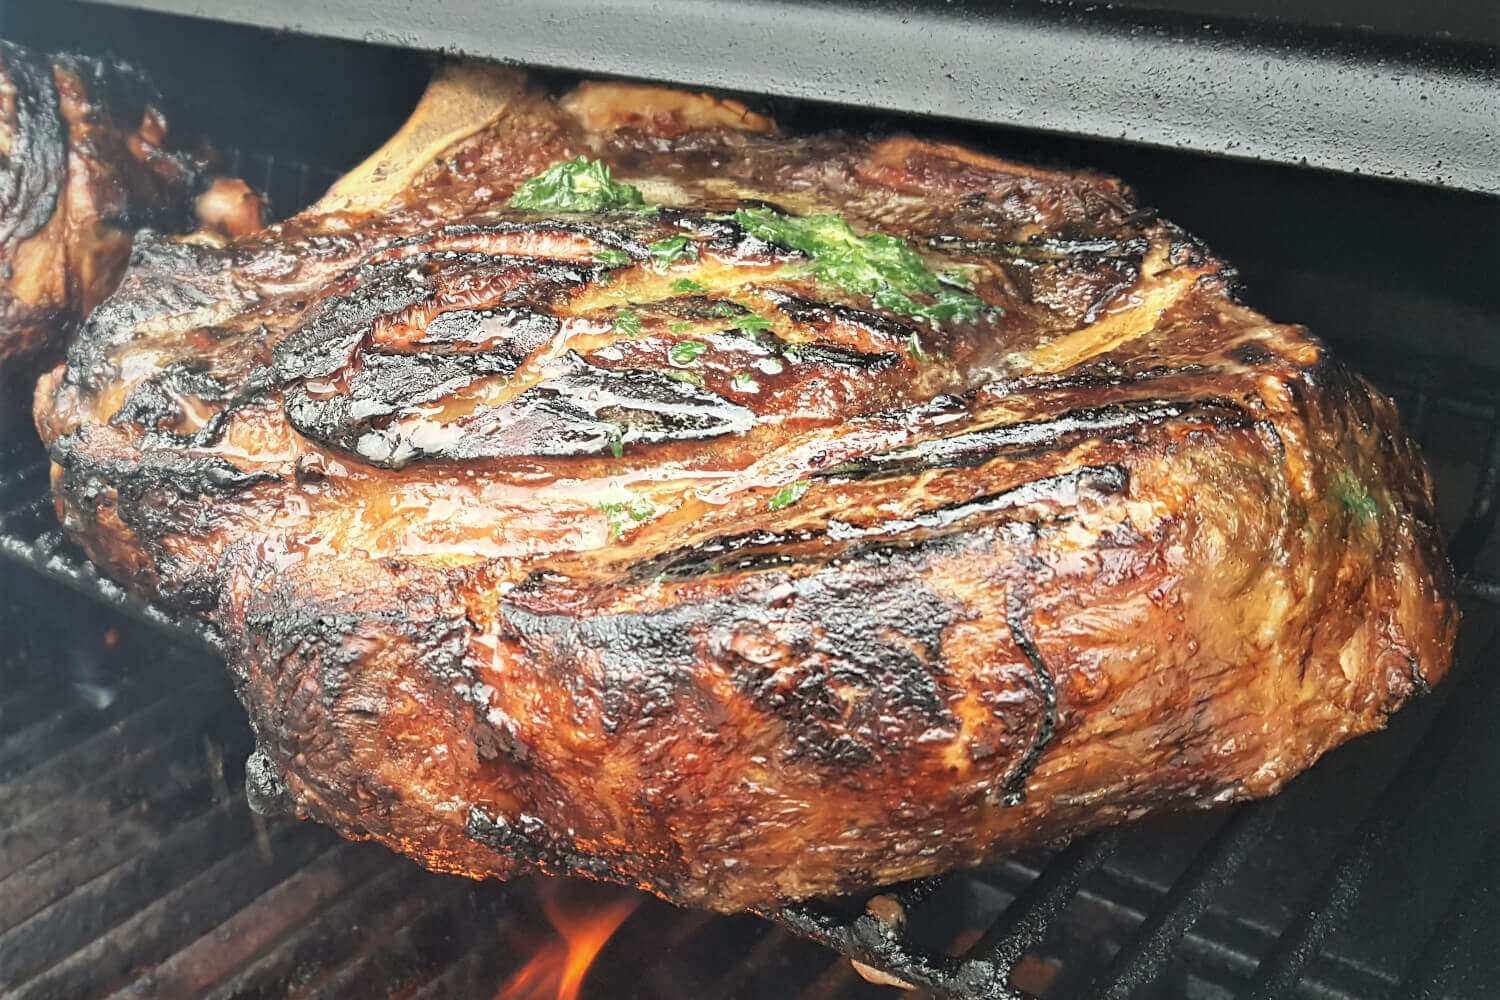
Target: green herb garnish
[(723, 310), (685, 285), (682, 326), (672, 249), (691, 378), (628, 323), (914, 348), (750, 323), (744, 383), (881, 266), (687, 352), (1355, 497), (788, 494), (577, 185), (616, 443), (611, 257), (623, 508)]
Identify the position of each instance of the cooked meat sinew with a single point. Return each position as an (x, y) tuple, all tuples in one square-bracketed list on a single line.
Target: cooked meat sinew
[(84, 163), (611, 485)]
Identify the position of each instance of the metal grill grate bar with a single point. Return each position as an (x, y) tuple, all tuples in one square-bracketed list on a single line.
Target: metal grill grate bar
[(1469, 541), (1469, 701), (447, 918), (65, 773), (41, 744), (92, 908), (1142, 958), (115, 846), (154, 932), (1470, 923), (1026, 920), (335, 933), (69, 817), (474, 974), (216, 953)]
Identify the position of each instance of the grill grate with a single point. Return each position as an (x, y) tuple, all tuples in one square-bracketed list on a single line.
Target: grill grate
[(129, 868)]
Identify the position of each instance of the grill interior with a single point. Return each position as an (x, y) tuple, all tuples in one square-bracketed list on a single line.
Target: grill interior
[(131, 866)]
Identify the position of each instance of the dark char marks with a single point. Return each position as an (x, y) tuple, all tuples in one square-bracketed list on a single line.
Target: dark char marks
[(34, 165), (848, 659), (764, 550)]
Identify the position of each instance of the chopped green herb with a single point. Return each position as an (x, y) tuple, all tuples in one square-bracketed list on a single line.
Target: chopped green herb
[(1355, 497), (685, 285), (750, 322), (577, 185), (687, 352), (616, 443), (744, 383), (606, 278), (611, 257), (691, 378), (672, 249), (788, 494), (681, 326), (627, 323), (622, 508), (914, 348), (881, 266), (723, 310)]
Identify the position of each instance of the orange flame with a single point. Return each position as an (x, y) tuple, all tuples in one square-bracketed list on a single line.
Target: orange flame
[(584, 924)]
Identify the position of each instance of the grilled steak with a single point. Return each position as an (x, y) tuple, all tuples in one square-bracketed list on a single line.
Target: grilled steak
[(611, 485), (84, 163)]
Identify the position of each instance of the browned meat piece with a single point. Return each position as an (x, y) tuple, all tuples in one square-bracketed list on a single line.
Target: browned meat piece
[(662, 528), (230, 207), (84, 163)]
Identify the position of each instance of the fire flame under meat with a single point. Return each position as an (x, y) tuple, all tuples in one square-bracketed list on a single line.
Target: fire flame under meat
[(584, 919)]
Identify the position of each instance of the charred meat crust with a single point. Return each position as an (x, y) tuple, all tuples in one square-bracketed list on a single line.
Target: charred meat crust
[(624, 545), (86, 165), (34, 169)]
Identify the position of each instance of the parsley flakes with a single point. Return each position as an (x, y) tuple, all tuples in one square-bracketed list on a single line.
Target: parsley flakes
[(750, 323), (669, 251), (687, 352), (879, 265), (578, 185), (627, 323), (623, 508), (788, 494)]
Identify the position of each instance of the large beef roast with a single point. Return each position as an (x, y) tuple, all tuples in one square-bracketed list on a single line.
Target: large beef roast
[(612, 485), (84, 163)]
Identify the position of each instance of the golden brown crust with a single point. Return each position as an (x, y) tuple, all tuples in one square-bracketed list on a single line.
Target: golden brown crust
[(230, 208), (505, 592), (657, 111)]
